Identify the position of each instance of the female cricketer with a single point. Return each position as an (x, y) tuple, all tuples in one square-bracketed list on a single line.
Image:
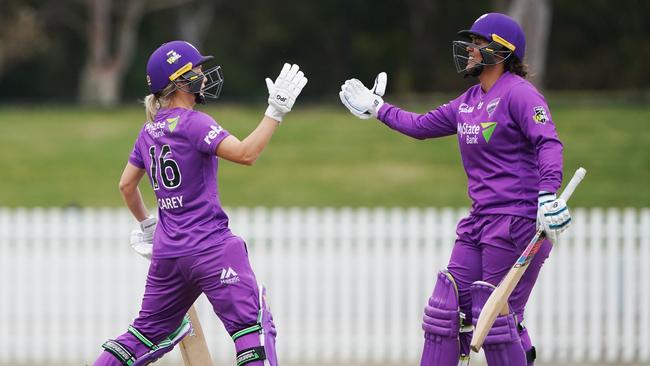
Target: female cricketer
[(194, 251), (513, 160)]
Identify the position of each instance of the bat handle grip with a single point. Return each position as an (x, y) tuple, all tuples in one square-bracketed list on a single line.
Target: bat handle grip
[(573, 183)]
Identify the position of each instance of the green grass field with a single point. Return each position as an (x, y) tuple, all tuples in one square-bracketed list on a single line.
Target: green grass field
[(320, 156)]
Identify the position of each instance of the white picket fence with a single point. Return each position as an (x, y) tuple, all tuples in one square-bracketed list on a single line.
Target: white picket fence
[(347, 286)]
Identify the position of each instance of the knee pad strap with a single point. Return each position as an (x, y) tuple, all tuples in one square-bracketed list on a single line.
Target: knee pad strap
[(531, 355), (250, 354), (128, 358), (168, 341), (257, 328), (119, 351)]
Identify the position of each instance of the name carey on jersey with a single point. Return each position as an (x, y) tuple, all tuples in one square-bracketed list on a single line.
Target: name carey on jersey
[(167, 203)]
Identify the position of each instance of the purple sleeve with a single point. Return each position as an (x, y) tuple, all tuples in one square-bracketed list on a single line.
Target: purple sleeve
[(436, 123), (529, 109), (135, 158), (205, 134)]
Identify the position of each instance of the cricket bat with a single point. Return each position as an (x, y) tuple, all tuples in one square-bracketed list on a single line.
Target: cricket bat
[(497, 303), (194, 348)]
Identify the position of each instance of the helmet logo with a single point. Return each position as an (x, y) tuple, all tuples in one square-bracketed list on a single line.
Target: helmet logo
[(148, 80), (172, 57)]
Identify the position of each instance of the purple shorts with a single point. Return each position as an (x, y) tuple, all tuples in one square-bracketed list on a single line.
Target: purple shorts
[(486, 248)]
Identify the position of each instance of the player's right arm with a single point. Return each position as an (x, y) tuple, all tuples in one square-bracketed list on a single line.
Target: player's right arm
[(131, 195), (247, 151), (365, 103), (282, 95)]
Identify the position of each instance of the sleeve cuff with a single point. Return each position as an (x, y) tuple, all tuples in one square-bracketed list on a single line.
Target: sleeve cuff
[(136, 163), (381, 113)]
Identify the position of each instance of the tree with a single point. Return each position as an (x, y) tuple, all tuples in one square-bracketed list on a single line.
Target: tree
[(535, 18), (422, 27), (194, 20), (111, 37), (19, 46)]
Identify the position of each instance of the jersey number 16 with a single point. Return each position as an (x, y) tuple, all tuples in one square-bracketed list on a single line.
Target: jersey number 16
[(169, 172)]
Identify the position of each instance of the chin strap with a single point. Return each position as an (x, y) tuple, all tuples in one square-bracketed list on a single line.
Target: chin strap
[(475, 71)]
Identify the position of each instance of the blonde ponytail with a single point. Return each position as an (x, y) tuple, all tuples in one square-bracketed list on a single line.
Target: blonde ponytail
[(153, 102), (151, 107)]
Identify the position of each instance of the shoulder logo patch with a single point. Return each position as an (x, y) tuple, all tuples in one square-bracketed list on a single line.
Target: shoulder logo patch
[(539, 115)]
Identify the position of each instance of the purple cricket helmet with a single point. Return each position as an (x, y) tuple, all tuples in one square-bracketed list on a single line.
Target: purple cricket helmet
[(173, 62), (499, 28)]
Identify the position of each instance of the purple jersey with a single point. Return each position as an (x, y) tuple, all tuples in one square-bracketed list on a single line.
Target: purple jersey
[(178, 152), (507, 139)]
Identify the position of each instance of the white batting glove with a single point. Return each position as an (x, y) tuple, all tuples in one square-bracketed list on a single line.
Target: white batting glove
[(361, 101), (142, 239), (284, 91), (552, 215)]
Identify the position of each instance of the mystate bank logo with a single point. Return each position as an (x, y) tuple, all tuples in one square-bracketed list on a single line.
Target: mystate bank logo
[(470, 132)]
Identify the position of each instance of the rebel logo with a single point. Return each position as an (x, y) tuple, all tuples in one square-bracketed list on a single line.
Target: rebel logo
[(212, 134)]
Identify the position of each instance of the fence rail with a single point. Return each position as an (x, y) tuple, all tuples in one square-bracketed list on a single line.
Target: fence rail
[(345, 285)]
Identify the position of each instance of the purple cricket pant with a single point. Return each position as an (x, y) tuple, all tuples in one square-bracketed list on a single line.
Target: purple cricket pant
[(222, 272)]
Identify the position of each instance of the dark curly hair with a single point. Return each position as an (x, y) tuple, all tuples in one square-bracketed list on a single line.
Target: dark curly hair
[(515, 66)]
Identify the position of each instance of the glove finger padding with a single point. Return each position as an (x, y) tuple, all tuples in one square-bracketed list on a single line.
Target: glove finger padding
[(269, 85), (358, 86), (380, 84), (283, 72), (292, 73), (301, 84)]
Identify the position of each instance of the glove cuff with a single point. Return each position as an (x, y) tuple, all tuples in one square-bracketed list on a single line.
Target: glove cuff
[(274, 113), (148, 225), (380, 103), (545, 197)]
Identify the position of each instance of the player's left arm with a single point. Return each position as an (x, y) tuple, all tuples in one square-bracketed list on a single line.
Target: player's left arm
[(528, 107)]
